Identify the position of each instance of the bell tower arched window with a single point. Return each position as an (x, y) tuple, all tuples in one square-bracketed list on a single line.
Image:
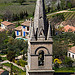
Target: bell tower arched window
[(41, 58)]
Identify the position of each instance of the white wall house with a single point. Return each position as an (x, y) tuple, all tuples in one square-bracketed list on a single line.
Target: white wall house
[(18, 31), (23, 30), (71, 52), (3, 26), (7, 25)]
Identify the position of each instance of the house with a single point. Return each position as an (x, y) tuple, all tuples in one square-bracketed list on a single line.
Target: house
[(7, 25), (71, 52), (68, 28), (18, 31), (3, 72), (23, 30)]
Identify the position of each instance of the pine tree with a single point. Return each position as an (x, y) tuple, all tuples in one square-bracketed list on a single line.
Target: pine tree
[(26, 14)]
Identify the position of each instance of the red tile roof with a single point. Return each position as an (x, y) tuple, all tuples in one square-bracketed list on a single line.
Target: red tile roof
[(68, 28), (1, 71), (6, 23), (72, 49), (26, 23), (18, 28)]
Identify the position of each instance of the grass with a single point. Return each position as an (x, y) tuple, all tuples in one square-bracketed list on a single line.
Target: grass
[(4, 58), (18, 71), (72, 9), (70, 69)]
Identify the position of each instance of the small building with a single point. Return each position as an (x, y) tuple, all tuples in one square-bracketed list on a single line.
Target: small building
[(69, 28), (3, 72), (7, 25), (25, 28), (18, 31), (71, 52)]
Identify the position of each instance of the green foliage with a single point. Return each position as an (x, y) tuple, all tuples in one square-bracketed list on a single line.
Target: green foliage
[(17, 45), (4, 58), (59, 49), (3, 41), (0, 58), (15, 69), (15, 7), (22, 63), (11, 55), (58, 6), (13, 34), (59, 16), (65, 69), (63, 5), (67, 62), (20, 1), (60, 45), (69, 5)]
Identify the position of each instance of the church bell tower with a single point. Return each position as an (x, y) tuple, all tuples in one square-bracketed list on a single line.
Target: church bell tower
[(40, 44)]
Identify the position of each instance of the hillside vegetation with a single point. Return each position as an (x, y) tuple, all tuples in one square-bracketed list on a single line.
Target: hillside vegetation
[(66, 16), (13, 7)]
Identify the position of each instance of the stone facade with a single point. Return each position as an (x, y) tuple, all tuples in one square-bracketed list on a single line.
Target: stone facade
[(40, 44)]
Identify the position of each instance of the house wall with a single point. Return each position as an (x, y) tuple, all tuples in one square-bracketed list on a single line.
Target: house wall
[(3, 26), (24, 29), (9, 27), (71, 54), (19, 33)]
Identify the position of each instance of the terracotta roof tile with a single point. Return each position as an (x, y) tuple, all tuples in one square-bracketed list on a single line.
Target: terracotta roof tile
[(1, 71), (18, 28), (68, 27), (72, 49), (6, 23), (26, 23)]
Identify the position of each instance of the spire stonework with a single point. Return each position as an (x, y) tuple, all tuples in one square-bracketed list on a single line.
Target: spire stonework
[(40, 44)]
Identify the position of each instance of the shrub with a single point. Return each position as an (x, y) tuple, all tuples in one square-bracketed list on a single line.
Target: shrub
[(22, 63), (67, 62)]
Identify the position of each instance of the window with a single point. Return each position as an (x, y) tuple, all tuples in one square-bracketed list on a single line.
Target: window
[(73, 56), (17, 33), (41, 58), (24, 27), (23, 33), (27, 33), (27, 28), (69, 54)]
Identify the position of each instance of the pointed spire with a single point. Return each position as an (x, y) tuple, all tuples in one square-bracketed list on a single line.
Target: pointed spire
[(39, 17), (30, 28), (49, 31), (32, 32)]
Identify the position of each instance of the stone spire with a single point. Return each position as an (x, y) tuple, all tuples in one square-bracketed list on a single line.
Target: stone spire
[(32, 37), (40, 18), (49, 32)]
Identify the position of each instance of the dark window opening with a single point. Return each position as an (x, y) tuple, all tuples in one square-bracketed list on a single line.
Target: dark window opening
[(69, 54), (41, 58), (72, 56), (23, 26), (27, 28)]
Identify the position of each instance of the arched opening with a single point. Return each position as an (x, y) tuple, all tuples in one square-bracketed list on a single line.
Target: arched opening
[(41, 58)]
